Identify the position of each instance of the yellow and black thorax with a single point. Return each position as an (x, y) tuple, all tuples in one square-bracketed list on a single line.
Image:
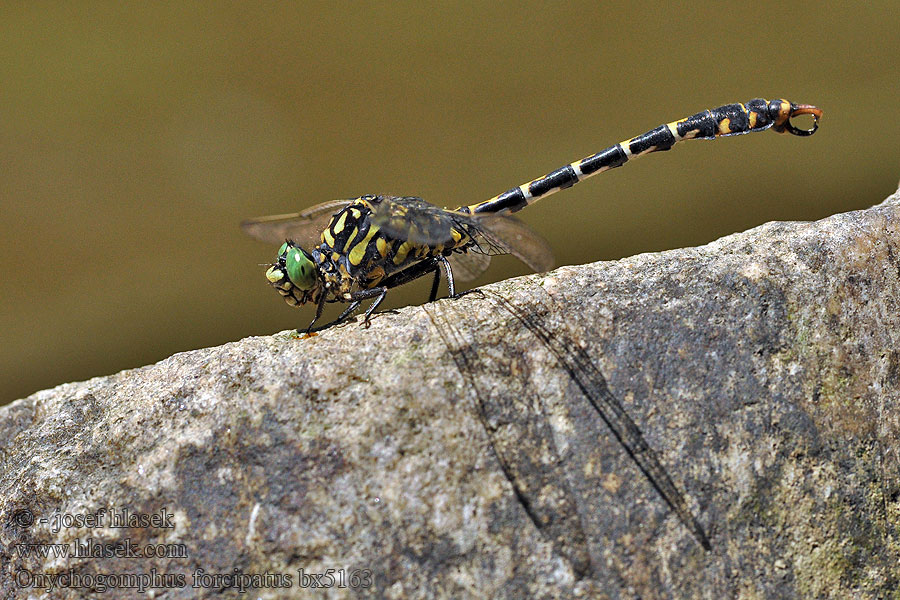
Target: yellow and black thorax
[(373, 238)]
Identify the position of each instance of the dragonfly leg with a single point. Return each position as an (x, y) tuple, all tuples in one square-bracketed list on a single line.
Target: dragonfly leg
[(434, 286), (357, 297), (420, 270), (319, 307), (451, 287), (347, 312), (466, 293), (411, 274), (341, 318), (367, 321), (450, 284)]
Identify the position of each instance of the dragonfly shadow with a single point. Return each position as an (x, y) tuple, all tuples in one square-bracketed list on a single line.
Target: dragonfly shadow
[(518, 412)]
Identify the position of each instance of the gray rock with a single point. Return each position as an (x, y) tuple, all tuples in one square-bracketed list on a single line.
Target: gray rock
[(449, 452)]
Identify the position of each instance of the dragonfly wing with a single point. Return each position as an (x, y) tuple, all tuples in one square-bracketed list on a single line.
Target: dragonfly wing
[(414, 220), (469, 265), (304, 227), (503, 234)]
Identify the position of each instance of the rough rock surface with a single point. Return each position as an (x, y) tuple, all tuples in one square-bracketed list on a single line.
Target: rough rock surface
[(447, 452)]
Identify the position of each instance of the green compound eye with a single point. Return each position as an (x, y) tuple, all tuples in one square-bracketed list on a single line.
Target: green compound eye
[(300, 268), (282, 250)]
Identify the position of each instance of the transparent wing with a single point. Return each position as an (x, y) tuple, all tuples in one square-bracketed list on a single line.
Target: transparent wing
[(512, 236), (422, 223), (414, 220), (469, 265), (304, 227)]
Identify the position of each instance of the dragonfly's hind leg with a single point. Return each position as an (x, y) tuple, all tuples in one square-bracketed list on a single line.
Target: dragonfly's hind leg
[(450, 284), (437, 283), (466, 293), (451, 287)]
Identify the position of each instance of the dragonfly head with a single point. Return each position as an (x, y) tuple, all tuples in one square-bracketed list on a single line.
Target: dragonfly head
[(294, 274)]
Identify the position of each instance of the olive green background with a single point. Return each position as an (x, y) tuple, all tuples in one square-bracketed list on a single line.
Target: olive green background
[(135, 138)]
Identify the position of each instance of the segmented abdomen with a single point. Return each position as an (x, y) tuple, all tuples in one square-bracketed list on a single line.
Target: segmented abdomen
[(730, 119)]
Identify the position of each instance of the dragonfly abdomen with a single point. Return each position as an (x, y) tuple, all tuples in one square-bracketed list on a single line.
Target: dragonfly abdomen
[(729, 119)]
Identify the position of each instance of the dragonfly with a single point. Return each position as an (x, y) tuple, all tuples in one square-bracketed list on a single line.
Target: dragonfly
[(361, 248), (540, 483)]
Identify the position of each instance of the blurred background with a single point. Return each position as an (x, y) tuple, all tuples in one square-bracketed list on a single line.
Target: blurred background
[(134, 138)]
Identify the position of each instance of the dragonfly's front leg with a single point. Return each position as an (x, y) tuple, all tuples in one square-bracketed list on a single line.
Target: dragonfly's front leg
[(320, 306)]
